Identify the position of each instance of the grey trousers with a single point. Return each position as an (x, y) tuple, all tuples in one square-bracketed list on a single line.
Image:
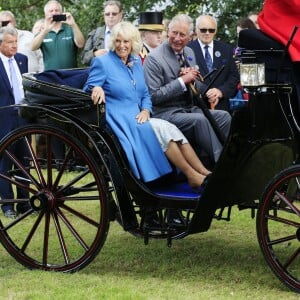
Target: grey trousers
[(198, 130)]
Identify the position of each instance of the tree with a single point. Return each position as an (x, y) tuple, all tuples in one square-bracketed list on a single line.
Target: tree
[(89, 13)]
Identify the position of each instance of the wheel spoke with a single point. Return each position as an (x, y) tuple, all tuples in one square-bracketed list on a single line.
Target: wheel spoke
[(297, 183), (278, 226), (282, 240), (16, 221), (46, 239), (73, 230), (80, 198), (72, 190), (13, 179), (292, 259), (61, 237), (62, 168), (288, 202), (283, 220), (80, 215), (70, 223), (32, 231), (49, 160), (36, 164), (73, 181)]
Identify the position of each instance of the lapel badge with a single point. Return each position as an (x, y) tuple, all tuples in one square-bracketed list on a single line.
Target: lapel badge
[(217, 54)]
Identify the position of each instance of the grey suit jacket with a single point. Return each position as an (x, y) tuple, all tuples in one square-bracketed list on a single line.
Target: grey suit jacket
[(161, 73), (94, 42)]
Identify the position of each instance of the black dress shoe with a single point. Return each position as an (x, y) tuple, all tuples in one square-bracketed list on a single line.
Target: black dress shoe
[(10, 213)]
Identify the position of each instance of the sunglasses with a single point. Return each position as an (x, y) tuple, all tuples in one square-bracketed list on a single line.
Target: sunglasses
[(111, 14), (204, 30), (5, 23)]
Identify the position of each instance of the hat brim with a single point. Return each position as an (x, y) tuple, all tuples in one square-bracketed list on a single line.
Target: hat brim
[(152, 27)]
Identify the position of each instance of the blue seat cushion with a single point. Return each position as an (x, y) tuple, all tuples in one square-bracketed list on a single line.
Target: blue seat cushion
[(177, 190)]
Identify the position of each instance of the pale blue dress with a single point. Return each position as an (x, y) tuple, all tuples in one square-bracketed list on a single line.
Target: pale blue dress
[(126, 94)]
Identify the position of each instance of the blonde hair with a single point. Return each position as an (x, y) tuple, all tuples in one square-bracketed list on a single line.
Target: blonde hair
[(128, 32)]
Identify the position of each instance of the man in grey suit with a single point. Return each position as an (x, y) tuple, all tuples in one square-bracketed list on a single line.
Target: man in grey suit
[(167, 80), (97, 40)]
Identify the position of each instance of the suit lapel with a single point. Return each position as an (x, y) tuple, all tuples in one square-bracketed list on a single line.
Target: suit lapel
[(21, 63), (171, 59), (4, 76), (217, 53)]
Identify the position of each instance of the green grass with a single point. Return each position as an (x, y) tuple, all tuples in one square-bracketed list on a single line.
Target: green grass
[(223, 263)]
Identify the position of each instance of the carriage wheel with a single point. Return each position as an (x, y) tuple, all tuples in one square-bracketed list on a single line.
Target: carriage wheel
[(278, 226), (66, 223)]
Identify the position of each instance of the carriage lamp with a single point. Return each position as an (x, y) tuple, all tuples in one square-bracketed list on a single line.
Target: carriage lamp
[(252, 74)]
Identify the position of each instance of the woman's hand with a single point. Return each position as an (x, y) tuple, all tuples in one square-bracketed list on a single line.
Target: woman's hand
[(143, 116), (98, 95)]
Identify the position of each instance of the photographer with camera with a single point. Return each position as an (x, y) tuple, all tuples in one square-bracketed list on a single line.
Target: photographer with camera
[(59, 39), (60, 35)]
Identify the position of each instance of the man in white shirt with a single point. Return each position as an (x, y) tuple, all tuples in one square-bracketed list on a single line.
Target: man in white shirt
[(217, 55), (12, 65)]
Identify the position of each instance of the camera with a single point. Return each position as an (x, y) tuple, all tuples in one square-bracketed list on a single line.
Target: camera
[(4, 23), (58, 18)]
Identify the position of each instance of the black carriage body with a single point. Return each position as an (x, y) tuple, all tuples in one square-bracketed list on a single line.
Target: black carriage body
[(264, 133), (60, 89), (260, 144), (263, 140), (68, 108), (256, 47)]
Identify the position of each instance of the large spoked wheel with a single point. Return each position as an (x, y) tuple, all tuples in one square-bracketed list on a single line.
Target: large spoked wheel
[(65, 222), (278, 226)]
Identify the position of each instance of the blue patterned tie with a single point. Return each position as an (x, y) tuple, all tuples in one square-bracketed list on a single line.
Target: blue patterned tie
[(208, 59), (18, 95), (180, 60)]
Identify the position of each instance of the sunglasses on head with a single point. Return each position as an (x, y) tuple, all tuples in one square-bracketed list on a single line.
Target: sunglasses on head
[(112, 14), (210, 30)]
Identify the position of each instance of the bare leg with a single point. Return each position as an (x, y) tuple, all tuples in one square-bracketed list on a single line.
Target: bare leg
[(174, 154), (192, 158)]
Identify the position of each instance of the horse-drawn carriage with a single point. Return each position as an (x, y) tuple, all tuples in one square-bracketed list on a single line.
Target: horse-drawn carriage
[(73, 200)]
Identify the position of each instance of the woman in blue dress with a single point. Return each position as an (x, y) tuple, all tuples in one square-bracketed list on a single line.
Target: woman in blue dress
[(117, 78)]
